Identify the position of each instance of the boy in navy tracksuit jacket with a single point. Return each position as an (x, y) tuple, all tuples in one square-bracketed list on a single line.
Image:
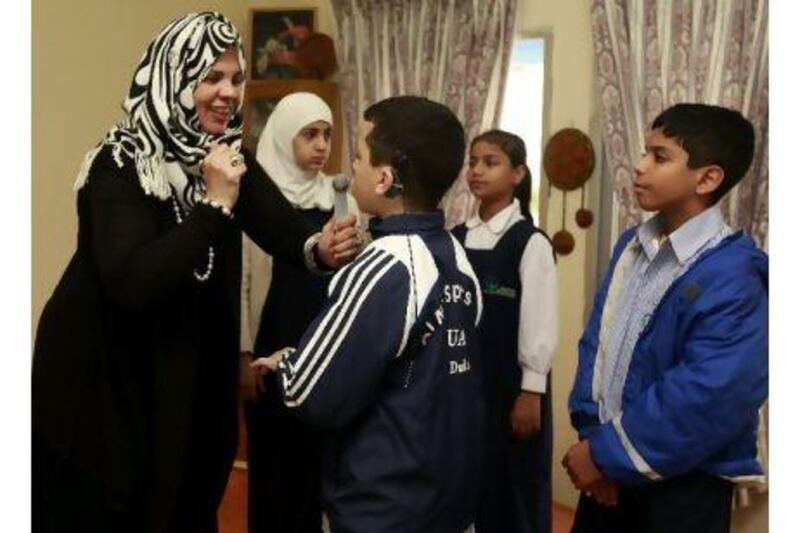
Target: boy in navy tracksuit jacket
[(390, 366), (673, 363)]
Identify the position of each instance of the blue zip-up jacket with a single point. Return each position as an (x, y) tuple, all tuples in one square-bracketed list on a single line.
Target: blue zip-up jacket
[(697, 377), (390, 369)]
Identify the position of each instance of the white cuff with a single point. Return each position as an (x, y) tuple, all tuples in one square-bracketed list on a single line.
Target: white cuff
[(534, 382), (246, 346), (308, 254), (633, 454)]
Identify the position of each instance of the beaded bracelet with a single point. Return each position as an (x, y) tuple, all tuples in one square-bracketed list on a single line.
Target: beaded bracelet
[(310, 255), (216, 205)]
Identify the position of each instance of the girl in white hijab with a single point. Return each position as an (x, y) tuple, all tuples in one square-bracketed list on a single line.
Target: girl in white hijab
[(293, 148)]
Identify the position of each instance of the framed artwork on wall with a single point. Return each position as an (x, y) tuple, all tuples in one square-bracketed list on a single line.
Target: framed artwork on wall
[(275, 34)]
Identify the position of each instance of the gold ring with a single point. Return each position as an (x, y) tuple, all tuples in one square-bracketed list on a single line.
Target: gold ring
[(236, 160)]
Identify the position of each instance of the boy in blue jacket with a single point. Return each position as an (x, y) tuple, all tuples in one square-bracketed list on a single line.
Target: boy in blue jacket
[(672, 366), (389, 369)]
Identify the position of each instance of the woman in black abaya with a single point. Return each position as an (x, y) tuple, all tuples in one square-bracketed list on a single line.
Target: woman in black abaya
[(136, 356)]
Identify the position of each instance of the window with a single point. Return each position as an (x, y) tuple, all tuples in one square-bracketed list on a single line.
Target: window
[(523, 105)]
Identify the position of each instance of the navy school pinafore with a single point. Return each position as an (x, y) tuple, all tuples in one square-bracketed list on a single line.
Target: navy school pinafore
[(517, 491)]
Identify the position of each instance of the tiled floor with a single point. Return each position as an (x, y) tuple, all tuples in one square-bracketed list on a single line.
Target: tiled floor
[(233, 511)]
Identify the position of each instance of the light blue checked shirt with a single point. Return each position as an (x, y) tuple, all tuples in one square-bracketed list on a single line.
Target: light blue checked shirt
[(653, 267)]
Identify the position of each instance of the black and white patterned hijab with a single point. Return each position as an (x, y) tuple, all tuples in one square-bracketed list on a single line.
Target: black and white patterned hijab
[(161, 131)]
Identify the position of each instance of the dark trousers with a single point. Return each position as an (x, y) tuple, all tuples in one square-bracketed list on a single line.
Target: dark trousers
[(694, 503), (283, 469)]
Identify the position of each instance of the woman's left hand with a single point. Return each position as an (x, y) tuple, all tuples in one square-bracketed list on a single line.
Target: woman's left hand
[(222, 170), (340, 242)]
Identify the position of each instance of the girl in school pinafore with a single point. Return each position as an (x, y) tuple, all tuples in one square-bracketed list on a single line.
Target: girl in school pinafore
[(518, 472), (515, 266)]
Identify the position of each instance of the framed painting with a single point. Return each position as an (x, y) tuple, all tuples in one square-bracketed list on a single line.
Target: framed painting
[(274, 36)]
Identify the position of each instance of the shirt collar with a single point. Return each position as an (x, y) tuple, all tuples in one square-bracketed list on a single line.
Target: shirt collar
[(685, 241), (696, 232), (499, 222), (406, 223), (648, 236)]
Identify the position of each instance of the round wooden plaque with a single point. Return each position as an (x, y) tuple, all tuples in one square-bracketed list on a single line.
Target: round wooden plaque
[(568, 159)]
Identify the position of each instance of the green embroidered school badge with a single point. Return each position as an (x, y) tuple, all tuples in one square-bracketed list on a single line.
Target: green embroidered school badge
[(496, 289)]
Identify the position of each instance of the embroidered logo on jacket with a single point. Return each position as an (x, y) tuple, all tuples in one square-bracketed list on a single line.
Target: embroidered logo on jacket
[(460, 367), (494, 288)]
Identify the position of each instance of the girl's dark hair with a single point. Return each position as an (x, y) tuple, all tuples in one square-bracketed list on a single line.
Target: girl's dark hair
[(514, 147)]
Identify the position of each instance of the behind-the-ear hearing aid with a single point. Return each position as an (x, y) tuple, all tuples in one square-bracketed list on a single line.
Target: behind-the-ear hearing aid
[(398, 169)]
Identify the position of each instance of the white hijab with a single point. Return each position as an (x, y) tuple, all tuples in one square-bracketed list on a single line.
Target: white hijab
[(304, 189)]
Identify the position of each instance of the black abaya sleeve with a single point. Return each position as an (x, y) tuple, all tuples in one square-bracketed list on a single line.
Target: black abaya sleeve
[(139, 262), (267, 216)]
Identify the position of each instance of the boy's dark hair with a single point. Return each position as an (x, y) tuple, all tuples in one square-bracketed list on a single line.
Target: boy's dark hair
[(711, 135), (514, 147), (422, 140)]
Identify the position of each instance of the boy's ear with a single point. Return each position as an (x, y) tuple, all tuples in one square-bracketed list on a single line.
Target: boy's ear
[(710, 179), (385, 180)]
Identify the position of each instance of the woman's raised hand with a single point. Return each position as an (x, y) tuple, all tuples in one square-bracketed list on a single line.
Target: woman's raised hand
[(340, 242), (222, 170)]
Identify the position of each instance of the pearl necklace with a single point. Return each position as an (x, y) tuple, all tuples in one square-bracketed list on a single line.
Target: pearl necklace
[(176, 208)]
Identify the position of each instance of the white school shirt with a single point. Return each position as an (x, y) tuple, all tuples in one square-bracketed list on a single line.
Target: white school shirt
[(538, 313)]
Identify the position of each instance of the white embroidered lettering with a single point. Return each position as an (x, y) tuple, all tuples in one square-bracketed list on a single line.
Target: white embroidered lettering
[(456, 337), (460, 367)]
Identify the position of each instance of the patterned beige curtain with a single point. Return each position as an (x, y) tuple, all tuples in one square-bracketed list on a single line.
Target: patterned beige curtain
[(453, 52), (651, 54)]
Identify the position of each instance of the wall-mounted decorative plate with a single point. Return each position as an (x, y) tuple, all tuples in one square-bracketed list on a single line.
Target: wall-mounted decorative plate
[(569, 159)]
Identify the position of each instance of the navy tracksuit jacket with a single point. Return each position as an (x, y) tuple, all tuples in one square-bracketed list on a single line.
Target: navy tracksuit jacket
[(390, 370)]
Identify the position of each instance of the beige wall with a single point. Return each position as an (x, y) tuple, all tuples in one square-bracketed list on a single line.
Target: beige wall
[(752, 519), (570, 75)]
